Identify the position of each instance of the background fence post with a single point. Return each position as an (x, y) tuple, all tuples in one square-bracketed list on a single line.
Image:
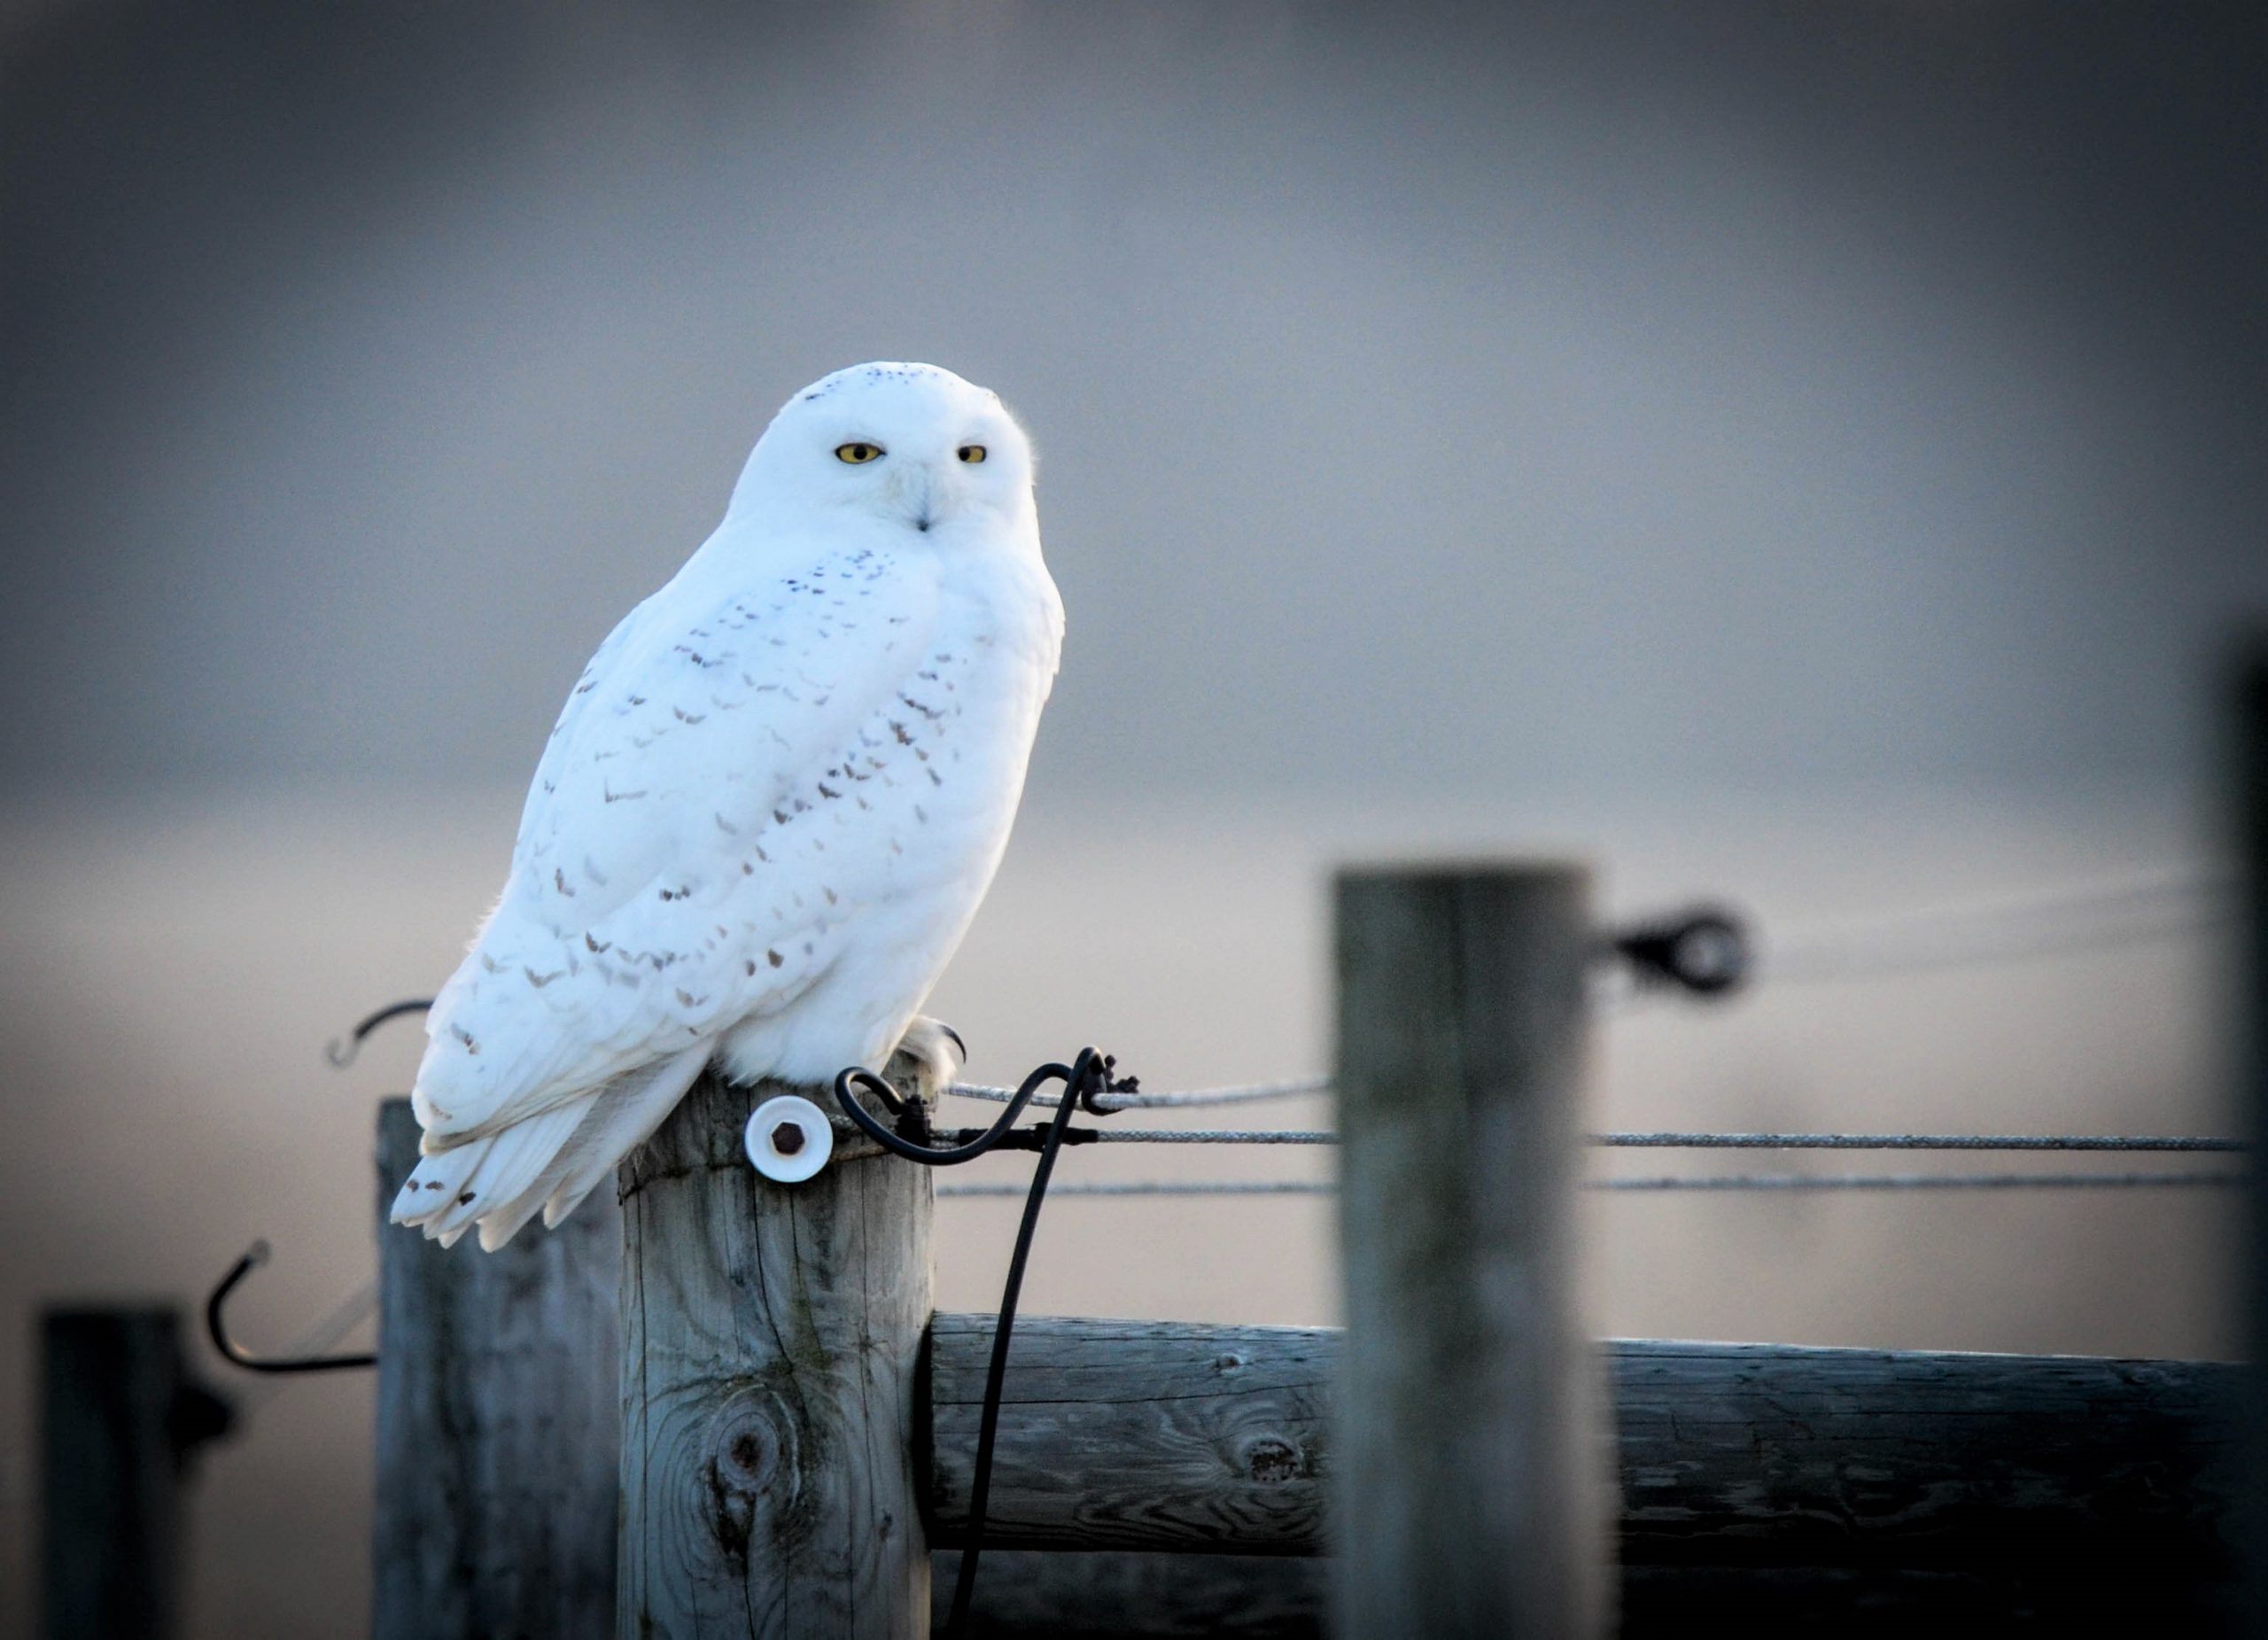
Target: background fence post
[(119, 1420), (773, 1338), (1471, 1495), (498, 1423)]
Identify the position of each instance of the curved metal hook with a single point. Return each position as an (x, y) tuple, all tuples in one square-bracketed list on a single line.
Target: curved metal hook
[(340, 1050), (217, 1329)]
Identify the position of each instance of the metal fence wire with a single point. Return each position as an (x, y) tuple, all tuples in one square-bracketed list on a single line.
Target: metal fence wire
[(2034, 1143)]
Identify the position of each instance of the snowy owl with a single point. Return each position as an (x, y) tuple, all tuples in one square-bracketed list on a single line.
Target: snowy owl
[(770, 806)]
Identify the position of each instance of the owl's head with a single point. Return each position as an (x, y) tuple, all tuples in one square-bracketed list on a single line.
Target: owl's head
[(909, 446)]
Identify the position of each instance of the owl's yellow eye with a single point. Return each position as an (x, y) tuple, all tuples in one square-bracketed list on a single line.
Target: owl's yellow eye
[(971, 453), (857, 452)]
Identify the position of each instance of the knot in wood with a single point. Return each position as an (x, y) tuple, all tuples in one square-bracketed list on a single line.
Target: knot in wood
[(748, 1458), (752, 1443), (753, 1468), (1272, 1461)]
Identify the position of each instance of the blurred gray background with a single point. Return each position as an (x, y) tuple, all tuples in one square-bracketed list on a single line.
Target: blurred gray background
[(1807, 454)]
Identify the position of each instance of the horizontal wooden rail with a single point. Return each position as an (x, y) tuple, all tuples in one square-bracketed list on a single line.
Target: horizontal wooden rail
[(1125, 1594), (1136, 1434), (2107, 1478)]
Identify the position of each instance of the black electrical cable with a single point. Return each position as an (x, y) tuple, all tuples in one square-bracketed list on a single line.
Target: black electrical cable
[(1091, 1074), (988, 1428), (909, 1141)]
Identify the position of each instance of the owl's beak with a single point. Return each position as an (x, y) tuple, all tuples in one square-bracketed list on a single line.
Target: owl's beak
[(918, 486)]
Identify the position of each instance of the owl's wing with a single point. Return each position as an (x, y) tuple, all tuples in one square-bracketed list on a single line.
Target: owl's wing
[(670, 877), (558, 749)]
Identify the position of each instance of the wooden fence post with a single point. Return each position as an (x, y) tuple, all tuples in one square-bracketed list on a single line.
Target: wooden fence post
[(498, 1424), (773, 1337), (1470, 1491), (119, 1420)]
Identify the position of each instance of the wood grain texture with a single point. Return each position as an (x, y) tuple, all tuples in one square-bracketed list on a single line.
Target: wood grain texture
[(1045, 1595), (1895, 1478), (1129, 1595), (773, 1337), (1807, 1453), (498, 1423), (1136, 1434), (2078, 1466), (1471, 1485), (1815, 1484)]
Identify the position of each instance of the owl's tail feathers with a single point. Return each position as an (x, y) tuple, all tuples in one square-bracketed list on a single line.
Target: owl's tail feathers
[(548, 1163), (450, 1191), (626, 1113)]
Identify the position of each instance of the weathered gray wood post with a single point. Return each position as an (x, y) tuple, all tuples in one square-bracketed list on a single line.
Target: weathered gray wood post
[(498, 1423), (771, 1343), (1471, 1495), (119, 1420)]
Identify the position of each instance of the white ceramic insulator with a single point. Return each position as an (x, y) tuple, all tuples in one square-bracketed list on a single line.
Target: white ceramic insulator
[(789, 1138)]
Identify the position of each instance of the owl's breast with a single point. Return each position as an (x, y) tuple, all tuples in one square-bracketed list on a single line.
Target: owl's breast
[(903, 830)]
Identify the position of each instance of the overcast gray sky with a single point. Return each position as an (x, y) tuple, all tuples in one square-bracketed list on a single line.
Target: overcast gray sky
[(1426, 399)]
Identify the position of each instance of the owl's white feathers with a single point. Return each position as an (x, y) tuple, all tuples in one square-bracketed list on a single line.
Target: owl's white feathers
[(770, 807)]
